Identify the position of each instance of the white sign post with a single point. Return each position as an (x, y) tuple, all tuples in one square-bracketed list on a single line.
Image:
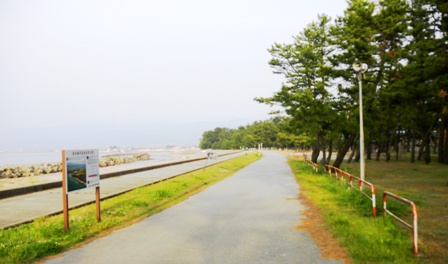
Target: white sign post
[(80, 170)]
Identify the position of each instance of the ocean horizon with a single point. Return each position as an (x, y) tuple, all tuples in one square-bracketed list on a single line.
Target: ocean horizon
[(31, 157)]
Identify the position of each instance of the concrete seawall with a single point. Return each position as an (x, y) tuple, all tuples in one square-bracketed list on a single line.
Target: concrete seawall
[(108, 172), (26, 208)]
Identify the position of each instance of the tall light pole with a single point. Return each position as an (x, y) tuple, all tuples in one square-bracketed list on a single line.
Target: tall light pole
[(360, 68)]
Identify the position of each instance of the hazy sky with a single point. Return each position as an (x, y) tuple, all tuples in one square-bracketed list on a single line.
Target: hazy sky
[(90, 74)]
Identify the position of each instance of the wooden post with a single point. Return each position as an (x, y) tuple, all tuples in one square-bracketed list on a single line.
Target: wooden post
[(98, 214), (64, 192)]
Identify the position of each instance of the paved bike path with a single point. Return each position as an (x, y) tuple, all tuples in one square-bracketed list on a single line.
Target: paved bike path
[(247, 218)]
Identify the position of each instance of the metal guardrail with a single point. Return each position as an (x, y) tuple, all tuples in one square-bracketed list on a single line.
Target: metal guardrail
[(372, 190), (414, 226), (339, 174), (343, 176), (314, 165)]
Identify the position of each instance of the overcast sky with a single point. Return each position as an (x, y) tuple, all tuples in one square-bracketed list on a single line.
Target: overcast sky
[(142, 73)]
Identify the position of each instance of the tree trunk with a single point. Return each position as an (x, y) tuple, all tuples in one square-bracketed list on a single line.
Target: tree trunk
[(324, 149), (427, 155), (434, 141), (397, 144), (358, 152), (315, 152), (330, 151), (443, 144), (355, 148), (388, 153), (408, 141), (378, 152), (413, 148), (426, 142), (425, 150), (389, 145), (397, 149), (369, 150), (354, 151), (420, 151), (343, 149), (440, 157)]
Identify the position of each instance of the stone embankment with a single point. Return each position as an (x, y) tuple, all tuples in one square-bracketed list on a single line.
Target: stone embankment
[(47, 168)]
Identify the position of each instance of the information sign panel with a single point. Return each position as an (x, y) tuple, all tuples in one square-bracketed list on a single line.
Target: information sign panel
[(82, 169)]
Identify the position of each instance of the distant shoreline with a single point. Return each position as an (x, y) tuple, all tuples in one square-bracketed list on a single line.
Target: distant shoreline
[(107, 159), (29, 170), (31, 157)]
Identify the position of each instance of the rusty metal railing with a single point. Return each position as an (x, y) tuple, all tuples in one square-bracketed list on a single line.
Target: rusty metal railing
[(339, 174), (314, 165), (372, 196), (414, 226)]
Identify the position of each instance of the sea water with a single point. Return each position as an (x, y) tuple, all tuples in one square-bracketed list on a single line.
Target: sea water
[(29, 157), (50, 156)]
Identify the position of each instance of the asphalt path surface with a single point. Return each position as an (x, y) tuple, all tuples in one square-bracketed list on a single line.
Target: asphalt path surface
[(250, 217)]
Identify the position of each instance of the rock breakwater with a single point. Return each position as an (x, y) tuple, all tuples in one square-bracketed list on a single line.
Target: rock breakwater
[(20, 171)]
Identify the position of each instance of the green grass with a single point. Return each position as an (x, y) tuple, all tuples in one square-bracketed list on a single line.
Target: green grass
[(348, 216), (425, 185), (46, 237)]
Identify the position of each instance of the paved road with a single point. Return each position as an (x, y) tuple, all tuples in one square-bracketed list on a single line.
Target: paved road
[(25, 208), (247, 218)]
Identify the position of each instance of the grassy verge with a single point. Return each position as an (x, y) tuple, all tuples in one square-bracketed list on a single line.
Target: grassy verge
[(348, 216), (425, 185), (45, 237)]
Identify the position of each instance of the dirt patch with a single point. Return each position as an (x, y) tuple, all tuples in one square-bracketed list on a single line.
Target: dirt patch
[(315, 225)]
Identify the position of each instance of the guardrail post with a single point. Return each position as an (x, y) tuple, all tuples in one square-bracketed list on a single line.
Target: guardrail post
[(339, 175), (347, 176), (414, 226), (350, 178), (415, 233), (373, 200)]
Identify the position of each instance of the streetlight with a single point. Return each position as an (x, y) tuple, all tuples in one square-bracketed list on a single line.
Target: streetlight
[(360, 68)]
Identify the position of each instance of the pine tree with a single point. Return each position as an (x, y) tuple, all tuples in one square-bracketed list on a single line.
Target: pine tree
[(305, 96), (353, 36)]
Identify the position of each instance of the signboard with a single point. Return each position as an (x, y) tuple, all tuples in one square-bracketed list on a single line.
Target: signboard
[(82, 169)]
